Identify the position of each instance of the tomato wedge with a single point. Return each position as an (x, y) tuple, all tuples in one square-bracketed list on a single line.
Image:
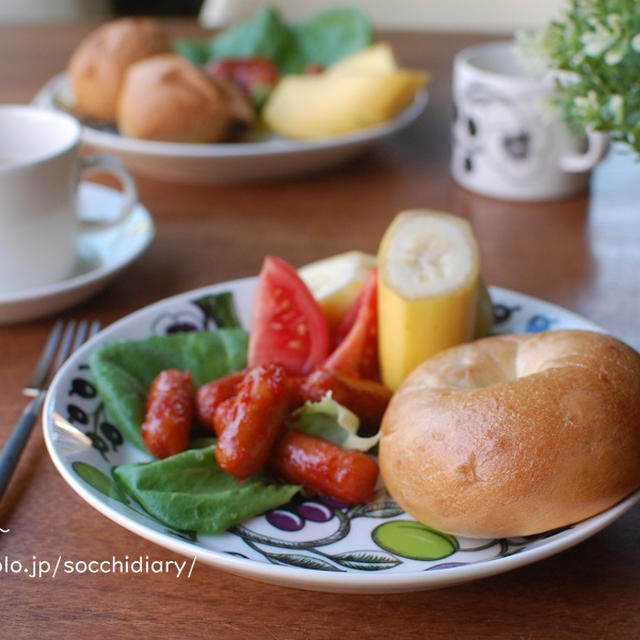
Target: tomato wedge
[(357, 351), (287, 325)]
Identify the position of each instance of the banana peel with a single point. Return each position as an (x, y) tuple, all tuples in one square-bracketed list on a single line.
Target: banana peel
[(484, 311)]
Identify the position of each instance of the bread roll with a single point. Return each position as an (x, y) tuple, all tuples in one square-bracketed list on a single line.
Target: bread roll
[(167, 98), (97, 66), (515, 435)]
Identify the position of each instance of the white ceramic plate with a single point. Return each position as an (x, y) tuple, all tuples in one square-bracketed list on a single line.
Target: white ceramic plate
[(268, 158), (101, 255), (372, 548)]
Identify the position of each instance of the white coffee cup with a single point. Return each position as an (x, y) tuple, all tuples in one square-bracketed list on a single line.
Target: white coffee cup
[(40, 170), (508, 141)]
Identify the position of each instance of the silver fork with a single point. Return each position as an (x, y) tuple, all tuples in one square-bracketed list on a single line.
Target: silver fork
[(62, 341)]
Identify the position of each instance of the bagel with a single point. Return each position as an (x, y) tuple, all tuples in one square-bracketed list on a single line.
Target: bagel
[(515, 435)]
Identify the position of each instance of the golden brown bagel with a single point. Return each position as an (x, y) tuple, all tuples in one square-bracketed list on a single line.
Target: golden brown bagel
[(515, 435), (165, 97), (97, 66)]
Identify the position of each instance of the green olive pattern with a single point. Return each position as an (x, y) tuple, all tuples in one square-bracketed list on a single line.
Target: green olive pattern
[(411, 539)]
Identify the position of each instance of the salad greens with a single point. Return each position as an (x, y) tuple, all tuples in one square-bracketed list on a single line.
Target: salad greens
[(332, 34), (123, 370), (331, 421), (323, 39), (190, 492)]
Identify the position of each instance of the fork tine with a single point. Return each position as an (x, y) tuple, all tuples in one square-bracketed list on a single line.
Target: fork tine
[(75, 335), (81, 335), (39, 374), (65, 344), (94, 328)]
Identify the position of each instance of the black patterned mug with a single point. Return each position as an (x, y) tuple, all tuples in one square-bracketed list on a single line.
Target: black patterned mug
[(507, 140)]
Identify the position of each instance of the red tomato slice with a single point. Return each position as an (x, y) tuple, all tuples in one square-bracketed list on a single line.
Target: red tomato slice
[(357, 353), (287, 325), (349, 319), (246, 73)]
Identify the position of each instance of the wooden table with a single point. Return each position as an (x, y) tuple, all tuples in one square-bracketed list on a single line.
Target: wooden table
[(582, 253)]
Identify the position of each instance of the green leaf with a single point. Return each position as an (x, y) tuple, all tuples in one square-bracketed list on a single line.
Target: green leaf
[(266, 35), (190, 492), (98, 480), (324, 38), (332, 34), (331, 421), (220, 308), (123, 370), (191, 50), (592, 46)]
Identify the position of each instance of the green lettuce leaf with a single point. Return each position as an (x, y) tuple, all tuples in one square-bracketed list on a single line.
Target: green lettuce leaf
[(123, 370), (190, 492), (324, 38), (331, 421), (266, 35), (195, 52), (332, 34), (221, 308)]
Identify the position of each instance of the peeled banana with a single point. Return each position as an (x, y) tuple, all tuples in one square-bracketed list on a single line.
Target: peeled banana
[(428, 284)]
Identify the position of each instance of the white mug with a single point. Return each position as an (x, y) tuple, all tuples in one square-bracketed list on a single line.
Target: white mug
[(40, 170), (508, 141)]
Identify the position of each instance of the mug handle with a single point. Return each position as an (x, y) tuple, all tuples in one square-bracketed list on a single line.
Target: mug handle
[(597, 147), (103, 163)]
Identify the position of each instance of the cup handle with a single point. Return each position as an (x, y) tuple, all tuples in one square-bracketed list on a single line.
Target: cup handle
[(100, 163), (597, 147)]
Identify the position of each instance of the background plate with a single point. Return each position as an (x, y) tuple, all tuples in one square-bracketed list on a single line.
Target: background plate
[(268, 158), (317, 545)]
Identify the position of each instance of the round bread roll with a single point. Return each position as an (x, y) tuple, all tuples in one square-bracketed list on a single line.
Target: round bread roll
[(515, 435), (97, 66), (167, 98)]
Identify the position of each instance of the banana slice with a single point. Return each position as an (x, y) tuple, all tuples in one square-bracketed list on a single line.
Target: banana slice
[(428, 288), (336, 281)]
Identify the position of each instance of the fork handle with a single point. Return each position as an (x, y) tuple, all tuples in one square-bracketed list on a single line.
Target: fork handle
[(15, 444)]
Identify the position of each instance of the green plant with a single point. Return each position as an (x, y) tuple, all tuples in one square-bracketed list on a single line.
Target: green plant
[(594, 52)]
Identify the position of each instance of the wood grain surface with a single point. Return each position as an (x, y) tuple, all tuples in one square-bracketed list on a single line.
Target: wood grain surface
[(582, 253)]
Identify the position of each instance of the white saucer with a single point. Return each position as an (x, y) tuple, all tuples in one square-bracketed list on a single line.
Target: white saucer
[(101, 255)]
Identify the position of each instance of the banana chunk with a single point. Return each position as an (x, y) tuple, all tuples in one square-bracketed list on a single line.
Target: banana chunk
[(427, 289)]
